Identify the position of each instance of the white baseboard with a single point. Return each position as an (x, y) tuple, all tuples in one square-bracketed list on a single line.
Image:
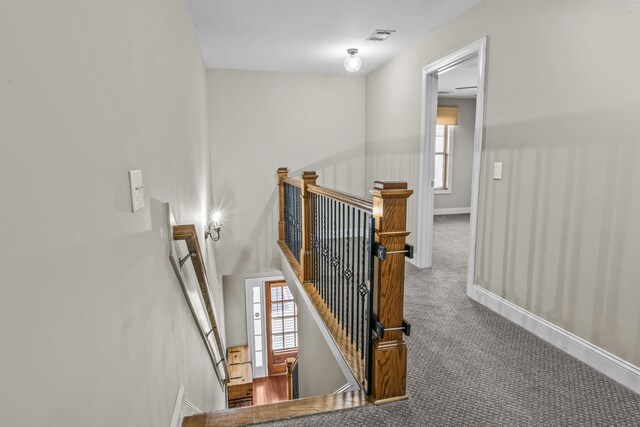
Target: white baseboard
[(176, 418), (601, 360), (190, 409), (451, 211)]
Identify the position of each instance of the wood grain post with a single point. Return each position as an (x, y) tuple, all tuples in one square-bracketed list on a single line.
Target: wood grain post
[(306, 265), (282, 172), (389, 362)]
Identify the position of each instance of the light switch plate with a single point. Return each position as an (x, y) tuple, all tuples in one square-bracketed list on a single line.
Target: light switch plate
[(497, 170), (137, 190)]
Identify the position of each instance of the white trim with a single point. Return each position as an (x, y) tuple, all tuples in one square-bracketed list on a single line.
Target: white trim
[(343, 389), (176, 418), (601, 360), (451, 211), (423, 256), (249, 283), (193, 407), (424, 250), (296, 287)]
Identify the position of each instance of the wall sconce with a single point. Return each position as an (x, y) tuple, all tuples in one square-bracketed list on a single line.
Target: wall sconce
[(212, 227)]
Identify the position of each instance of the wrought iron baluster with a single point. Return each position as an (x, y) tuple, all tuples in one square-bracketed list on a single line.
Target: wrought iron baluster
[(362, 287), (295, 223), (287, 213), (299, 224), (369, 360), (343, 310), (325, 249), (353, 264), (347, 237), (357, 300), (333, 259), (312, 216)]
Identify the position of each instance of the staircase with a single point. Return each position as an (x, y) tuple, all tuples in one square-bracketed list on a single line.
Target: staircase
[(348, 253)]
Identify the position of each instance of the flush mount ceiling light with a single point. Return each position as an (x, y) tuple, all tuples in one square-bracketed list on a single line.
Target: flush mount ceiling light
[(352, 63)]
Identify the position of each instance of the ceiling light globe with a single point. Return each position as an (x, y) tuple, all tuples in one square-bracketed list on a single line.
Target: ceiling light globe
[(352, 63)]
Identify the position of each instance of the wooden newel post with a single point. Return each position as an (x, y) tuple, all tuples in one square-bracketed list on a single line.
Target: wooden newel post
[(389, 362), (282, 172), (306, 267)]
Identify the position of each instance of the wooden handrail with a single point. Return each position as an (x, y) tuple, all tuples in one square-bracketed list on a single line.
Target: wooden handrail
[(293, 181), (346, 198), (189, 235)]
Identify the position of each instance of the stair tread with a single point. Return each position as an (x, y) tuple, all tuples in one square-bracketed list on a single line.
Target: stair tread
[(278, 411)]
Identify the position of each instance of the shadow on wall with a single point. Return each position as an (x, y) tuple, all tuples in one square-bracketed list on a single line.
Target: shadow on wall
[(557, 235), (397, 160), (263, 238), (254, 250), (340, 171)]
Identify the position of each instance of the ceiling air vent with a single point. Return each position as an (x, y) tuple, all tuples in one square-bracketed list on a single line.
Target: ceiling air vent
[(380, 35)]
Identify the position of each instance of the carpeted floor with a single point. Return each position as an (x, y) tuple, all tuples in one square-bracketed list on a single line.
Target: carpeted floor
[(470, 367)]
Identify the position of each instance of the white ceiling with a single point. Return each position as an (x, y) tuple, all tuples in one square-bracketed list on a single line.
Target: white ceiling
[(461, 76), (312, 36)]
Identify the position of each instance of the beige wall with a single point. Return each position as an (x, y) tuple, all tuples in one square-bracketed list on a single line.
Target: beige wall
[(260, 121), (558, 235), (94, 327), (461, 155)]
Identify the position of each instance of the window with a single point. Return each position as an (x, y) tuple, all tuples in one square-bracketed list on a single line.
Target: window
[(442, 170), (284, 319), (257, 326)]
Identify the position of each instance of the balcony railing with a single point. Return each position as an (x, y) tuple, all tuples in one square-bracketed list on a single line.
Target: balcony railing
[(349, 254)]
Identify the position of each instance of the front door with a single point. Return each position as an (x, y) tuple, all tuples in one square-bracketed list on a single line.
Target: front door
[(282, 326)]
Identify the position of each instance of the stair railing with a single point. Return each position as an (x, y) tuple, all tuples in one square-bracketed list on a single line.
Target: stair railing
[(349, 253)]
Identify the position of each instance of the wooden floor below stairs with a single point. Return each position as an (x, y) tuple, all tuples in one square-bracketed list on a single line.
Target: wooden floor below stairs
[(278, 411)]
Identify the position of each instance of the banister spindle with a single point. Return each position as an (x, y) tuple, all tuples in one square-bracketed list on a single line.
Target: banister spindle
[(306, 265), (282, 172), (389, 353)]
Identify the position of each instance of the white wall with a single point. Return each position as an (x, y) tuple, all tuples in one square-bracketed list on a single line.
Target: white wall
[(94, 327), (461, 155), (260, 121), (557, 235)]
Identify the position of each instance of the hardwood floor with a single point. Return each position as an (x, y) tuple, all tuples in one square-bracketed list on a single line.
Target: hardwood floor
[(278, 411), (269, 390)]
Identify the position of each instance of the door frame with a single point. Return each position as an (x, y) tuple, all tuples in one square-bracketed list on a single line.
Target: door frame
[(249, 283), (272, 368), (424, 250)]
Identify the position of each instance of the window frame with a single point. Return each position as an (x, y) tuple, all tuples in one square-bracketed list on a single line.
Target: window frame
[(449, 129), (276, 358)]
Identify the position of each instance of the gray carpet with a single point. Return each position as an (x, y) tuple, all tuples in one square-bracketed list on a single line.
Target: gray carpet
[(470, 367)]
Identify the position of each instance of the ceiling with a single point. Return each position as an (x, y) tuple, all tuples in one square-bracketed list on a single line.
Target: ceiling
[(312, 36), (464, 75)]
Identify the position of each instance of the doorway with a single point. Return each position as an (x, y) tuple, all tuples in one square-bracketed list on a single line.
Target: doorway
[(282, 326), (436, 143)]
